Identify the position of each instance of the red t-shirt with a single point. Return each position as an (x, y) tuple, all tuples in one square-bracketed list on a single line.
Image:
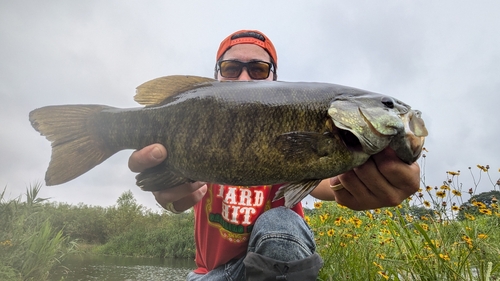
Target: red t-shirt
[(224, 219)]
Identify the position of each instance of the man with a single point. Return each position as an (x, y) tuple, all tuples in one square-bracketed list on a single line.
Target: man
[(240, 233)]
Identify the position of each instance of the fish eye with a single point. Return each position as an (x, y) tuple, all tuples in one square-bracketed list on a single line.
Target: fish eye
[(388, 101)]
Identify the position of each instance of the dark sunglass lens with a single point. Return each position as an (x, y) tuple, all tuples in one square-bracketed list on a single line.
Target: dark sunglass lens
[(258, 70), (230, 69)]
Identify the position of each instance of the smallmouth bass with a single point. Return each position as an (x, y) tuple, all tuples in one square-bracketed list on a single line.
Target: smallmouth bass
[(242, 133)]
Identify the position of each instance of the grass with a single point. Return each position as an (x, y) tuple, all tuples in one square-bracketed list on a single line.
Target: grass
[(436, 235)]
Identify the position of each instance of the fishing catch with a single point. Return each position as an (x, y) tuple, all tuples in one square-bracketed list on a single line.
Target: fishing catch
[(241, 133)]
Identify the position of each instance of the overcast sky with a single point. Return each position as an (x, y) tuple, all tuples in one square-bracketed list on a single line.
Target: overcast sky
[(441, 57)]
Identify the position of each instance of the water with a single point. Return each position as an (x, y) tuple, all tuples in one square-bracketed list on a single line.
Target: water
[(107, 268)]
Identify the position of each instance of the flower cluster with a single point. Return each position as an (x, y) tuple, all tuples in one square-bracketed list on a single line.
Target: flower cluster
[(437, 233), (6, 243)]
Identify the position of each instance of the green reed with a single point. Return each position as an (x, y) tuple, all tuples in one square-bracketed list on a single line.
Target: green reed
[(29, 246)]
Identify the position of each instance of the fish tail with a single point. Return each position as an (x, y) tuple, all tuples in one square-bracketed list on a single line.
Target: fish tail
[(76, 145)]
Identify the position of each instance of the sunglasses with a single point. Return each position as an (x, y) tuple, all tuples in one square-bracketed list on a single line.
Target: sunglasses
[(257, 70)]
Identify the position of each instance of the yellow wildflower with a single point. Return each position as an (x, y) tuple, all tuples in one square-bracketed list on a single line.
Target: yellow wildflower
[(323, 218), (453, 173), (383, 275), (470, 217), (444, 257), (482, 236), (467, 240), (369, 215), (307, 219), (6, 243), (385, 231), (387, 212), (427, 204), (483, 168), (456, 192), (455, 208), (318, 204), (380, 256), (378, 265), (444, 187), (330, 232), (357, 222), (436, 243), (409, 217), (441, 194), (478, 204), (485, 211)]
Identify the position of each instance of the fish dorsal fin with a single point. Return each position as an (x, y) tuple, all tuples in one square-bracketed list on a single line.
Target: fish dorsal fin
[(158, 90)]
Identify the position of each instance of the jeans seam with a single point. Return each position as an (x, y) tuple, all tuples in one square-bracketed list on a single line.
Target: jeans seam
[(284, 237)]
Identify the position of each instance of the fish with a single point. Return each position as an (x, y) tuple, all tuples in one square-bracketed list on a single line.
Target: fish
[(241, 133)]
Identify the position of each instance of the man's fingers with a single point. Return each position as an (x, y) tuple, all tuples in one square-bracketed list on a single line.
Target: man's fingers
[(176, 193), (190, 200), (147, 157)]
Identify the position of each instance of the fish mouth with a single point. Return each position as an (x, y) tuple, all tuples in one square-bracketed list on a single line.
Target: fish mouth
[(414, 137), (350, 140)]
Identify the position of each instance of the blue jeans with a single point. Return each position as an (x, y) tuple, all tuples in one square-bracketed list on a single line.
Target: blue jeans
[(278, 233)]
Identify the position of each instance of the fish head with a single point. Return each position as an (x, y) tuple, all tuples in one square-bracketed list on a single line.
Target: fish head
[(378, 121)]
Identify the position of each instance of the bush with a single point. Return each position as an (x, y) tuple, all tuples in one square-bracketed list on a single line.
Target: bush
[(173, 237), (29, 246)]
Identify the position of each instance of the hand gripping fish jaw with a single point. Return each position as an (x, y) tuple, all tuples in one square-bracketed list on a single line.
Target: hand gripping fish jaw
[(364, 126)]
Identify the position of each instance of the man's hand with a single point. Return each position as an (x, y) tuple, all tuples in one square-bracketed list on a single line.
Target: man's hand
[(383, 181), (183, 196)]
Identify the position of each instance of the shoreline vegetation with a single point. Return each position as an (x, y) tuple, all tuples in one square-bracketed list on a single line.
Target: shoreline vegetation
[(446, 232)]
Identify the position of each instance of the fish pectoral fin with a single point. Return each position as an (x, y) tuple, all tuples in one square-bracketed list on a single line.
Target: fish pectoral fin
[(296, 191), (159, 178), (156, 91), (303, 144)]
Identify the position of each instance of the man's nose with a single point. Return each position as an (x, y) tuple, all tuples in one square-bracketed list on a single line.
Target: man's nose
[(244, 75)]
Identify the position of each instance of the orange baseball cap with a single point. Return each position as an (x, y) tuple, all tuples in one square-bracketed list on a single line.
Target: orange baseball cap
[(248, 37)]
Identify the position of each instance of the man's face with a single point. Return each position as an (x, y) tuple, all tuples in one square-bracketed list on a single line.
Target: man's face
[(245, 53)]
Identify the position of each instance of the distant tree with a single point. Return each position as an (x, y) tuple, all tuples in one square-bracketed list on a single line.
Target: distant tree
[(125, 215), (127, 202), (483, 201)]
